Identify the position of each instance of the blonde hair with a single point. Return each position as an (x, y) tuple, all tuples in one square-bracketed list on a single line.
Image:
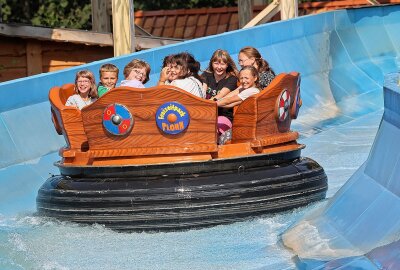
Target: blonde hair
[(108, 68), (137, 63), (87, 74)]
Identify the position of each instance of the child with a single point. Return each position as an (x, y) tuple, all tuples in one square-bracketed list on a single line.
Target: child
[(136, 73), (108, 78), (85, 89), (248, 77), (220, 78), (183, 73)]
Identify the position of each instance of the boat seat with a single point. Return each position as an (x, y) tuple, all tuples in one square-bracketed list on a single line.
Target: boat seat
[(261, 120), (66, 91), (65, 117)]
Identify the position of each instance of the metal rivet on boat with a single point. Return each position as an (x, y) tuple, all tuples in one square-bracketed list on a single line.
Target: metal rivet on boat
[(116, 119)]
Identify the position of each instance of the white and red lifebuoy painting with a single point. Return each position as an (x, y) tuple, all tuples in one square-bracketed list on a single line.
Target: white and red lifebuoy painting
[(283, 105)]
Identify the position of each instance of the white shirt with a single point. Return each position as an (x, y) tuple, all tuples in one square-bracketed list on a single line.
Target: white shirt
[(191, 85), (77, 101), (132, 83), (245, 93)]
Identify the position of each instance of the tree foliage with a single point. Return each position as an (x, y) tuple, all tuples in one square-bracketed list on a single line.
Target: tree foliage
[(49, 13), (68, 14)]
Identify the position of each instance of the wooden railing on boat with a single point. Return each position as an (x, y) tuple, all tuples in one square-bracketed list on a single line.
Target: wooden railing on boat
[(257, 126)]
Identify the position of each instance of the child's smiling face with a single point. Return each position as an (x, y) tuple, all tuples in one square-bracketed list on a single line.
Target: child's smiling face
[(219, 67), (109, 79), (175, 71), (137, 74), (84, 85), (247, 79)]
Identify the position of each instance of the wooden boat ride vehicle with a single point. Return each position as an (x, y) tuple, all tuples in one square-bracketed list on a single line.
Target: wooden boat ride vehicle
[(148, 159)]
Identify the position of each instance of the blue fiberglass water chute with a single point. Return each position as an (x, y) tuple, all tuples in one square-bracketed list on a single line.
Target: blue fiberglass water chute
[(359, 228)]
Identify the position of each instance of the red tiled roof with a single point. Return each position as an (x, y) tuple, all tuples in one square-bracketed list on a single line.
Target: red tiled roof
[(193, 23)]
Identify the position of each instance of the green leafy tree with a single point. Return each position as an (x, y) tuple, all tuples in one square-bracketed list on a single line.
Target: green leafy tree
[(63, 13), (15, 11), (48, 13)]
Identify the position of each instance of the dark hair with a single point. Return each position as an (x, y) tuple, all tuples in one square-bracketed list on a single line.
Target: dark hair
[(189, 65), (254, 72), (262, 64), (167, 60), (223, 56)]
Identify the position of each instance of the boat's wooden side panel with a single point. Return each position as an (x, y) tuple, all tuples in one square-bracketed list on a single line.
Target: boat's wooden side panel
[(256, 119), (67, 119), (267, 109), (146, 138), (244, 121)]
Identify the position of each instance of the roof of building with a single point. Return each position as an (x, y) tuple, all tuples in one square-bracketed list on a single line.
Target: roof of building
[(194, 23)]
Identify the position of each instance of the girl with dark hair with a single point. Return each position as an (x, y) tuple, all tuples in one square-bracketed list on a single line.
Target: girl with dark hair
[(183, 72)]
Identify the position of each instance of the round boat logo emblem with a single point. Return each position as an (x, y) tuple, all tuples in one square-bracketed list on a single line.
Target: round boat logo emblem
[(172, 118), (283, 105), (117, 119)]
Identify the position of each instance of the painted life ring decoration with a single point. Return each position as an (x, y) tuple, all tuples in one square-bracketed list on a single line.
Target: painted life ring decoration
[(117, 119), (172, 118), (294, 111), (282, 106)]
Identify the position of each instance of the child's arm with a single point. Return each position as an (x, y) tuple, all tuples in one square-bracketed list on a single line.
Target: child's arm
[(234, 92), (229, 102), (223, 92)]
